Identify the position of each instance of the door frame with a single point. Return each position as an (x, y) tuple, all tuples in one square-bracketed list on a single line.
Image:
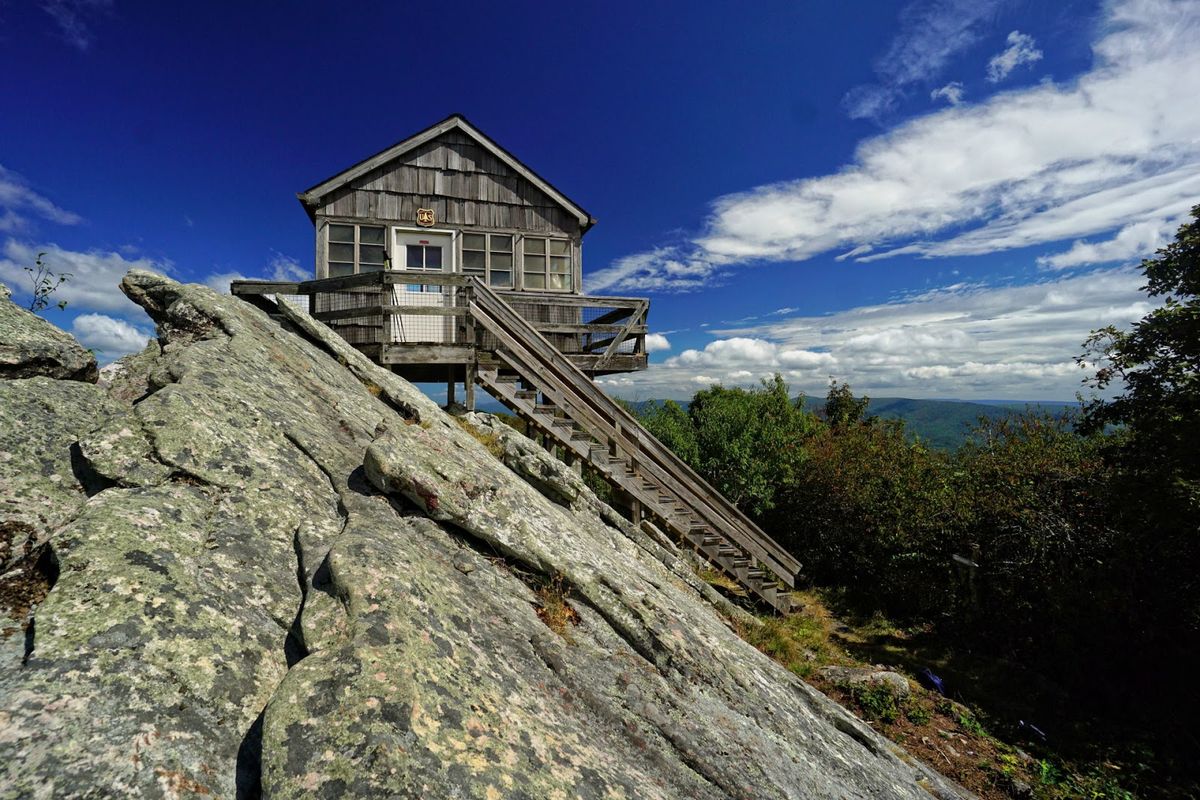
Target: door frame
[(400, 293)]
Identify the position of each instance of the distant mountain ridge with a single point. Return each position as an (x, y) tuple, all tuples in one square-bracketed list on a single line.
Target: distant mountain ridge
[(941, 424), (944, 424)]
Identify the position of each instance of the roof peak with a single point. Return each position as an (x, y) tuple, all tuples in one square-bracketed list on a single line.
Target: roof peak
[(311, 196)]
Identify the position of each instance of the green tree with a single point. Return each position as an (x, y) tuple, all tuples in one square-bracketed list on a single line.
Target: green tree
[(1157, 363), (672, 426), (871, 512), (1155, 419), (748, 443), (842, 408)]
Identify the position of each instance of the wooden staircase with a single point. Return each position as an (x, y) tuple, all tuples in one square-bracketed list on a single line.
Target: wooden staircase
[(535, 380)]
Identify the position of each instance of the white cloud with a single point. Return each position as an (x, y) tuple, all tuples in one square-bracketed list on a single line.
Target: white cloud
[(1053, 162), (1021, 50), (95, 275), (17, 199), (656, 342), (662, 269), (931, 33), (71, 18), (952, 93), (286, 268), (963, 340), (111, 338), (739, 352), (219, 281), (1132, 241), (279, 268)]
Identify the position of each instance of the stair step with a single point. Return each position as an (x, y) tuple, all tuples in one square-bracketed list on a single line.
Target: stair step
[(755, 574), (739, 563), (709, 541), (544, 408), (727, 551), (561, 422), (505, 378), (526, 394)]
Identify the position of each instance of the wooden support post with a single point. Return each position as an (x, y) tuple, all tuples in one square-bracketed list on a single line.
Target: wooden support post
[(635, 510), (469, 385), (450, 385)]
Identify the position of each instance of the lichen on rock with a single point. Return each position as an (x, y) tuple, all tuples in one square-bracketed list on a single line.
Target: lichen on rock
[(296, 576), (31, 346)]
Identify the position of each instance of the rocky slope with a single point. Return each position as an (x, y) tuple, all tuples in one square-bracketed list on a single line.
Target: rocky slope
[(279, 570)]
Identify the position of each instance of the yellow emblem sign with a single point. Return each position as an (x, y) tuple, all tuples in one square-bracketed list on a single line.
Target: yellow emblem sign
[(425, 217)]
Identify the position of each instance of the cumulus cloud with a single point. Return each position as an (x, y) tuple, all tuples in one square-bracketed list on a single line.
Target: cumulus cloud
[(1043, 164), (109, 337), (95, 274), (18, 200), (961, 340), (740, 352), (1021, 50), (952, 93), (656, 343), (931, 32)]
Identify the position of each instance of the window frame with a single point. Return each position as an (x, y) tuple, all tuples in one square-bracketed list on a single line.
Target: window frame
[(488, 251), (546, 272), (357, 244)]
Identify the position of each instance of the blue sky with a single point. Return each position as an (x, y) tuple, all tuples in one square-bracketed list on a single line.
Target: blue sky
[(933, 198)]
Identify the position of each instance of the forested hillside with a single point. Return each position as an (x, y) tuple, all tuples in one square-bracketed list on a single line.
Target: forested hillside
[(1063, 548)]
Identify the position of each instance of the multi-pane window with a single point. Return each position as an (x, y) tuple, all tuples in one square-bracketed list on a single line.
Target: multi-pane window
[(547, 264), (355, 248), (489, 256), (423, 258)]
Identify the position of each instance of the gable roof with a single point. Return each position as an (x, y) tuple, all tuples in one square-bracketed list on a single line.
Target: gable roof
[(310, 198)]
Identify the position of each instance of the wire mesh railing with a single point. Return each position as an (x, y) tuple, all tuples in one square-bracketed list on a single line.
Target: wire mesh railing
[(398, 307)]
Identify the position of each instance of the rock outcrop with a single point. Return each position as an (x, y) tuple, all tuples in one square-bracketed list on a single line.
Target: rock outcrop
[(280, 570), (29, 346)]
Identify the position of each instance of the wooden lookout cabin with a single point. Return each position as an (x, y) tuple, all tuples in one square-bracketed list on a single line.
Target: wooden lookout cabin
[(445, 258)]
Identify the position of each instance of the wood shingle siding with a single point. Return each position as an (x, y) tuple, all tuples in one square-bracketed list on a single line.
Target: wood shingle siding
[(471, 184)]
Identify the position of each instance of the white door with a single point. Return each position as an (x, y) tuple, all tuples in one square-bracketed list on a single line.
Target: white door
[(422, 252)]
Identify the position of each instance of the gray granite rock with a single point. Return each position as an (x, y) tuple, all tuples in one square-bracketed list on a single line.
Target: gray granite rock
[(297, 577), (31, 346), (128, 379), (851, 677)]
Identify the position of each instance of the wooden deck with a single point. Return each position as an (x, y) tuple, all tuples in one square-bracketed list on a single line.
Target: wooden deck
[(421, 318)]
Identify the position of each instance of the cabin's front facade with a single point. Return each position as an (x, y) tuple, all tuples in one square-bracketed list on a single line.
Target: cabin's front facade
[(453, 188), (435, 210)]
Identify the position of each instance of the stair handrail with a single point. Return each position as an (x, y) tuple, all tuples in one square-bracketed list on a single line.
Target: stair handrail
[(482, 298)]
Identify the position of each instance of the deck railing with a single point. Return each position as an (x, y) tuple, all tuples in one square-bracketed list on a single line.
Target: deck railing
[(388, 310)]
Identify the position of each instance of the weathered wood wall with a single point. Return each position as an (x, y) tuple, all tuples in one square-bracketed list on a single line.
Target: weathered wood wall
[(465, 185)]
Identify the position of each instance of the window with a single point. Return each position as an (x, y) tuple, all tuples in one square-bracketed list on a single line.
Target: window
[(490, 257), (423, 258), (355, 248), (548, 264)]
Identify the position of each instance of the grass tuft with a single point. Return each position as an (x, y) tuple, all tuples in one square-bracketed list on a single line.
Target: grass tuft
[(489, 440), (553, 608)]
